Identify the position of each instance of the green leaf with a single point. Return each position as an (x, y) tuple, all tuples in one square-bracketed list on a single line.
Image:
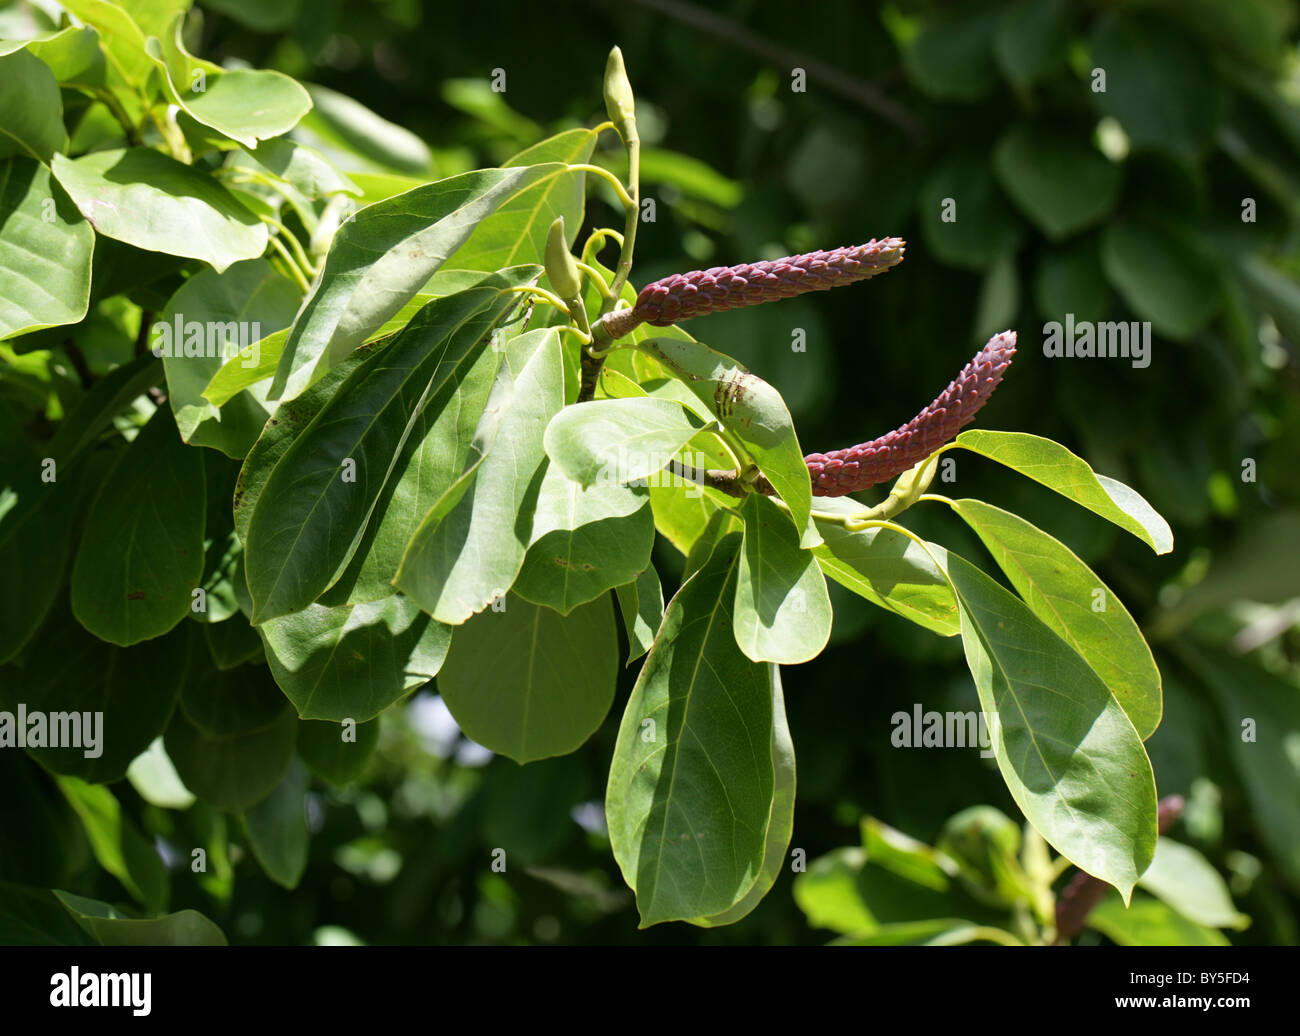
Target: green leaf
[(516, 231), (1274, 291), (233, 642), (585, 541), (641, 603), (355, 138), (750, 409), (303, 168), (42, 841), (904, 856), (906, 933), (1055, 467), (1158, 84), (354, 660), (781, 822), (230, 702), (891, 571), (45, 251), (828, 896), (530, 683), (71, 53), (31, 110), (431, 462), (531, 810), (852, 892), (782, 610), (66, 670), (337, 753), (106, 399), (244, 104), (1065, 594), (1071, 757), (692, 508), (1187, 881), (277, 828), (1069, 280), (259, 361), (1032, 39), (965, 220), (722, 523), (36, 532), (123, 43), (1056, 177), (951, 59), (231, 773), (153, 776), (380, 258), (985, 845), (309, 519), (1253, 30), (1163, 273), (107, 927), (470, 547), (209, 317), (141, 554), (1261, 717), (617, 440), (259, 15), (694, 178), (999, 299), (1149, 922), (691, 785), (1245, 570), (117, 843), (478, 99), (34, 917), (221, 559), (142, 197), (280, 432)]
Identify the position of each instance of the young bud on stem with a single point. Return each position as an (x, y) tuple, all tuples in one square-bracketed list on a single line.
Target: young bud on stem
[(560, 265), (619, 103)]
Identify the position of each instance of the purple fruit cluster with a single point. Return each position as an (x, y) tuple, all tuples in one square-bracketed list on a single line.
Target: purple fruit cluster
[(695, 294), (870, 463)]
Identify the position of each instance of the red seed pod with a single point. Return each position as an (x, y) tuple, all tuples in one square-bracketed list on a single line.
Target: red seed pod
[(686, 295), (858, 467)]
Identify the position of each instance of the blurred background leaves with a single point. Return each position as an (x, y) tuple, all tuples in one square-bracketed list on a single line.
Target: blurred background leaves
[(1125, 164)]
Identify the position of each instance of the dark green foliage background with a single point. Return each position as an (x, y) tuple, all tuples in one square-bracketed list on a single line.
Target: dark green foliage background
[(403, 857)]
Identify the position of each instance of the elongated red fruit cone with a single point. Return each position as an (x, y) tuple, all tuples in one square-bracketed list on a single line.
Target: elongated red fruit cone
[(695, 294), (870, 463)]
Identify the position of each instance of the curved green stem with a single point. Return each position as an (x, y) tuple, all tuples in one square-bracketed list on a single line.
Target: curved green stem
[(109, 100), (599, 350), (744, 460), (597, 281), (740, 459), (629, 227), (550, 298), (628, 204), (308, 267), (577, 332), (238, 174), (294, 271), (973, 932), (598, 236)]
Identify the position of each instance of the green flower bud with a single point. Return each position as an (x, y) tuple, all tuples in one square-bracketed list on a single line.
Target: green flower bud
[(619, 102), (560, 265)]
